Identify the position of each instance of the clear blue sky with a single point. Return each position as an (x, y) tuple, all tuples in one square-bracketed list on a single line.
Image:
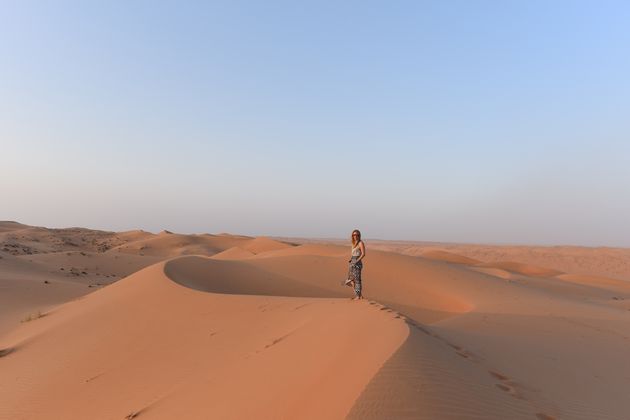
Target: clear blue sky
[(473, 121)]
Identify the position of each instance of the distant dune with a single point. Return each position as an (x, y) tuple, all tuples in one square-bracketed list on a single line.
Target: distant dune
[(519, 268), (263, 244), (448, 257), (185, 326), (604, 262), (234, 253)]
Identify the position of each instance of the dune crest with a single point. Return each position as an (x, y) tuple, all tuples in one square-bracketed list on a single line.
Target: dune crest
[(596, 281), (448, 257), (525, 269), (234, 253), (496, 272), (263, 244)]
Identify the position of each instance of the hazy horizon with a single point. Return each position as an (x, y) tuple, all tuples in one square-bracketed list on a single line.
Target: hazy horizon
[(475, 122), (320, 237)]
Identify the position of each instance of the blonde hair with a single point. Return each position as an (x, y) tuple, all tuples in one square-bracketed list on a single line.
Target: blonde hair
[(358, 232)]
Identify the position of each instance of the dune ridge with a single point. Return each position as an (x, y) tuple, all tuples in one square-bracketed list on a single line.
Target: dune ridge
[(234, 253)]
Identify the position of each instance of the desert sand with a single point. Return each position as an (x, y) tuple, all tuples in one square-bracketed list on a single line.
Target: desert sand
[(122, 325)]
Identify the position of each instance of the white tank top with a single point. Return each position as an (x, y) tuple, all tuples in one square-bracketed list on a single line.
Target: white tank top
[(356, 251)]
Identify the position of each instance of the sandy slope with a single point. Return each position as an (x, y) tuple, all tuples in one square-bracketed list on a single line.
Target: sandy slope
[(488, 333), (41, 267), (495, 340), (147, 345), (603, 261)]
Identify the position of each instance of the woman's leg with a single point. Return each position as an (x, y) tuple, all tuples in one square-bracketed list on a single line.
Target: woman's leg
[(351, 275), (358, 286), (357, 290)]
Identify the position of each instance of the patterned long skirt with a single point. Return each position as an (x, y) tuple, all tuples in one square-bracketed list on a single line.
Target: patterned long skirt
[(354, 274)]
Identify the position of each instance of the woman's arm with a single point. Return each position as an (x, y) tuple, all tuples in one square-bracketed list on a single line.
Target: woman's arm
[(362, 249)]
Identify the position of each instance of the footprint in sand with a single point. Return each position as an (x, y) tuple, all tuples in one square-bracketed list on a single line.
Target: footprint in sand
[(498, 375), (503, 387), (6, 352), (506, 384), (463, 354)]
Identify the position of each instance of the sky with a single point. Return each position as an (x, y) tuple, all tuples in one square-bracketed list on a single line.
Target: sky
[(459, 121)]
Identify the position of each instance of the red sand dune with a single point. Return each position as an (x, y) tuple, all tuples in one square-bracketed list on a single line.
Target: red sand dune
[(263, 244), (272, 335), (151, 347), (496, 272), (525, 269), (234, 253), (437, 254)]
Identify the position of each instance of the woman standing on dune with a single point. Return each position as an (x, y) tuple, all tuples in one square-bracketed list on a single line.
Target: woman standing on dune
[(354, 272)]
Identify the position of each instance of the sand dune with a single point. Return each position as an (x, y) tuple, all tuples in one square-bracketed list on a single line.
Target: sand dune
[(525, 269), (171, 352), (41, 268), (496, 272), (74, 261), (234, 253), (240, 278), (263, 244), (602, 262), (436, 254), (171, 245), (307, 249), (443, 335), (595, 281), (28, 289)]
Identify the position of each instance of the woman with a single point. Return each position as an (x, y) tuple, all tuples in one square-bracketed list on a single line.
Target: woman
[(354, 272)]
